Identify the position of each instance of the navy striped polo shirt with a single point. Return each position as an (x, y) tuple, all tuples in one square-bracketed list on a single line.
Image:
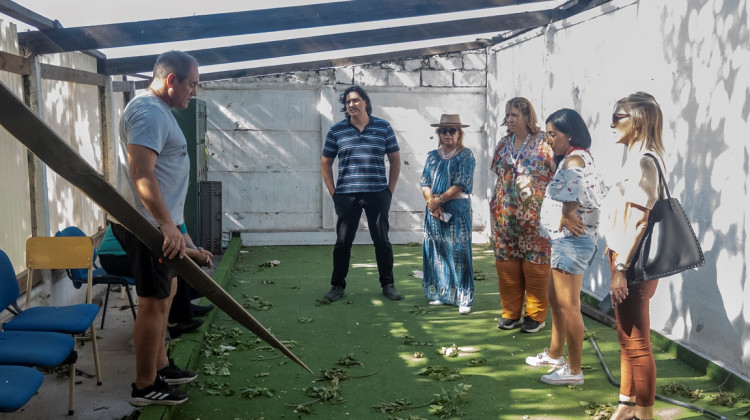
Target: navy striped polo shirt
[(361, 162)]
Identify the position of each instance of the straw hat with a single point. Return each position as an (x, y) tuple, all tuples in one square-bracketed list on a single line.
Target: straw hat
[(449, 120)]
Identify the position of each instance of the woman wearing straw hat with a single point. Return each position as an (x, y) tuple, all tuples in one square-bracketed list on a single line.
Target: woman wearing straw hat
[(446, 183)]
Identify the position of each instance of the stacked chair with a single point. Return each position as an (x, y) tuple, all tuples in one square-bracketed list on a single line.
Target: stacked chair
[(79, 277), (50, 253), (17, 385)]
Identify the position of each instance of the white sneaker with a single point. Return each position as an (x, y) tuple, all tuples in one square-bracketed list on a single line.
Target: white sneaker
[(463, 310), (543, 359), (563, 376), (436, 302)]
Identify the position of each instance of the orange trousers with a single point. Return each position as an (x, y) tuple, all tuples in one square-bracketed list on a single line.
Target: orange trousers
[(517, 278)]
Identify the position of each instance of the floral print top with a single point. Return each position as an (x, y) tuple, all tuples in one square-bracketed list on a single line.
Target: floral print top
[(522, 178), (583, 185)]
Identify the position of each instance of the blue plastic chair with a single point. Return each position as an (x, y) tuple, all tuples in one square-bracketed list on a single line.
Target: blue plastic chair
[(71, 319), (36, 348), (79, 277), (17, 385), (33, 349)]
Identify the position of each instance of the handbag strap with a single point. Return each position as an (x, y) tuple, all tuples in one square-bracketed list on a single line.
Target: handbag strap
[(662, 181)]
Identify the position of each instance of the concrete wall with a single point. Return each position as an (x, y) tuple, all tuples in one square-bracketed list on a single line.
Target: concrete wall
[(15, 211), (266, 134), (692, 57), (73, 111)]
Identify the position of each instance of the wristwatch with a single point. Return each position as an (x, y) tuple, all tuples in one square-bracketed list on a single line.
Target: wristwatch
[(622, 267)]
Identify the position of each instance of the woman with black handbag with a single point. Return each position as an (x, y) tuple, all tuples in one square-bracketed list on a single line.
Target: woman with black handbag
[(637, 124)]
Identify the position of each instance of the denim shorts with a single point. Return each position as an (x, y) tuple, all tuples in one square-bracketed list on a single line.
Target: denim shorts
[(573, 254)]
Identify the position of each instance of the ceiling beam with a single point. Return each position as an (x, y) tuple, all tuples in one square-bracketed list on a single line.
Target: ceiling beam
[(20, 13), (322, 43), (340, 62), (60, 39)]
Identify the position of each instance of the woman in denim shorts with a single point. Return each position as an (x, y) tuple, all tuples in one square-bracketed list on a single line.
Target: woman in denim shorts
[(569, 217)]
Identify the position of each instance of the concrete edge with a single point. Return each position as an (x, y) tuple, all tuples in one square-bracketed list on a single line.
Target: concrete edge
[(185, 350), (729, 380)]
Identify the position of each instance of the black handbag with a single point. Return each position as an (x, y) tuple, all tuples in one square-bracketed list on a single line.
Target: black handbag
[(669, 245)]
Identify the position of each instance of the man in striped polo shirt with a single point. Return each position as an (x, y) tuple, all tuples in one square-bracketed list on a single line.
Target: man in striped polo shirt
[(360, 141)]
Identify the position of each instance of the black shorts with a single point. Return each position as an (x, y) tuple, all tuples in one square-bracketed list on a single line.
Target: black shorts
[(153, 277)]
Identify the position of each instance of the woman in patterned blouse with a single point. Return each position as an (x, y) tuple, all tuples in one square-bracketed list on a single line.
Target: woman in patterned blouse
[(523, 164), (570, 218)]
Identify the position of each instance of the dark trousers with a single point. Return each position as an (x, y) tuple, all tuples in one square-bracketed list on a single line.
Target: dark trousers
[(348, 212)]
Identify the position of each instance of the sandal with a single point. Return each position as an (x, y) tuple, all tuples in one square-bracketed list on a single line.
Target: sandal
[(628, 403)]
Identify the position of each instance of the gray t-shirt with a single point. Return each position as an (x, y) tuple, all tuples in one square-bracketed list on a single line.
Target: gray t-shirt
[(148, 121)]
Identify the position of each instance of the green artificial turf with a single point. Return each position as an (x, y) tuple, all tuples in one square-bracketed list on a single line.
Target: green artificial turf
[(376, 349)]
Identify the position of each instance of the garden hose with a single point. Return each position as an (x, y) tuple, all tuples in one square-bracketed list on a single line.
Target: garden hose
[(617, 384)]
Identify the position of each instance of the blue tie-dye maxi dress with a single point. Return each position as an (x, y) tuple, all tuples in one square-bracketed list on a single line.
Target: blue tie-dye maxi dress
[(446, 247)]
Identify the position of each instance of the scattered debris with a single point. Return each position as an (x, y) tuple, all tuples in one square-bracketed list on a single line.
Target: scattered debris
[(440, 373), (270, 263), (451, 351), (411, 341), (418, 310)]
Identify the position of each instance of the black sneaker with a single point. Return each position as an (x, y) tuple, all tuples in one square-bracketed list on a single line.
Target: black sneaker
[(508, 324), (173, 375), (334, 294), (531, 326), (158, 393)]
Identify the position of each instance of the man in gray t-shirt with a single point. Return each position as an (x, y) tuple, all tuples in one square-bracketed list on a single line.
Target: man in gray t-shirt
[(153, 176)]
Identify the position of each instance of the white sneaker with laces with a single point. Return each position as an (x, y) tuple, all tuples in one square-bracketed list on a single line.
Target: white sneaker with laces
[(543, 359), (463, 310), (563, 376), (436, 302)]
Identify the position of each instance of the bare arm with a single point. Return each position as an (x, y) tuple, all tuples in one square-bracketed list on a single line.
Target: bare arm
[(326, 170), (142, 163), (570, 219), (201, 256), (395, 160), (618, 286)]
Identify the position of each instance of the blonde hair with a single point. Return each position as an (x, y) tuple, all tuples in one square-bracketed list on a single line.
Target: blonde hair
[(523, 105), (459, 133), (647, 119)]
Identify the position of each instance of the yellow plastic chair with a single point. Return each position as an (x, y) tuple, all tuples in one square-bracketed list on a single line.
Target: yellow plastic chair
[(60, 253)]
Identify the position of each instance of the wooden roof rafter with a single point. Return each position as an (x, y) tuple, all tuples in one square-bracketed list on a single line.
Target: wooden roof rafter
[(58, 39), (322, 43)]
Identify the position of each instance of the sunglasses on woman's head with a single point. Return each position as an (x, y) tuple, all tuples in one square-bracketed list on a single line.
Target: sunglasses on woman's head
[(445, 131), (617, 117)]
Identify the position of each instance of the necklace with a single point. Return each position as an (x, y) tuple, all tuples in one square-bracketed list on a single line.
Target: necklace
[(518, 153), (449, 155)]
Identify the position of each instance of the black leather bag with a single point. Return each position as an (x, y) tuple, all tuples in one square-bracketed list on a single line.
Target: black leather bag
[(669, 245)]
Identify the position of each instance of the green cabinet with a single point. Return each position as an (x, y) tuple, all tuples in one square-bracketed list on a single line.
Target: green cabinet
[(192, 121)]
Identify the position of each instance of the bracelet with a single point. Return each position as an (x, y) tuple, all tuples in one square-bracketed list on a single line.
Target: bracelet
[(440, 199)]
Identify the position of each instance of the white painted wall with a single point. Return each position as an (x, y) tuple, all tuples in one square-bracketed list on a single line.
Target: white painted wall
[(266, 135), (692, 56), (15, 211), (72, 111)]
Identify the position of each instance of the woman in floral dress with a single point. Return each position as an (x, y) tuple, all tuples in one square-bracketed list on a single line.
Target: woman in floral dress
[(446, 182), (523, 164)]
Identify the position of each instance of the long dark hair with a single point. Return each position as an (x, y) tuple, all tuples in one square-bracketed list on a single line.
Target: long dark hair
[(362, 94), (570, 123)]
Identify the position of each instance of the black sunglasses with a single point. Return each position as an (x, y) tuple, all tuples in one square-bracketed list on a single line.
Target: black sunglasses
[(444, 131), (617, 117)]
